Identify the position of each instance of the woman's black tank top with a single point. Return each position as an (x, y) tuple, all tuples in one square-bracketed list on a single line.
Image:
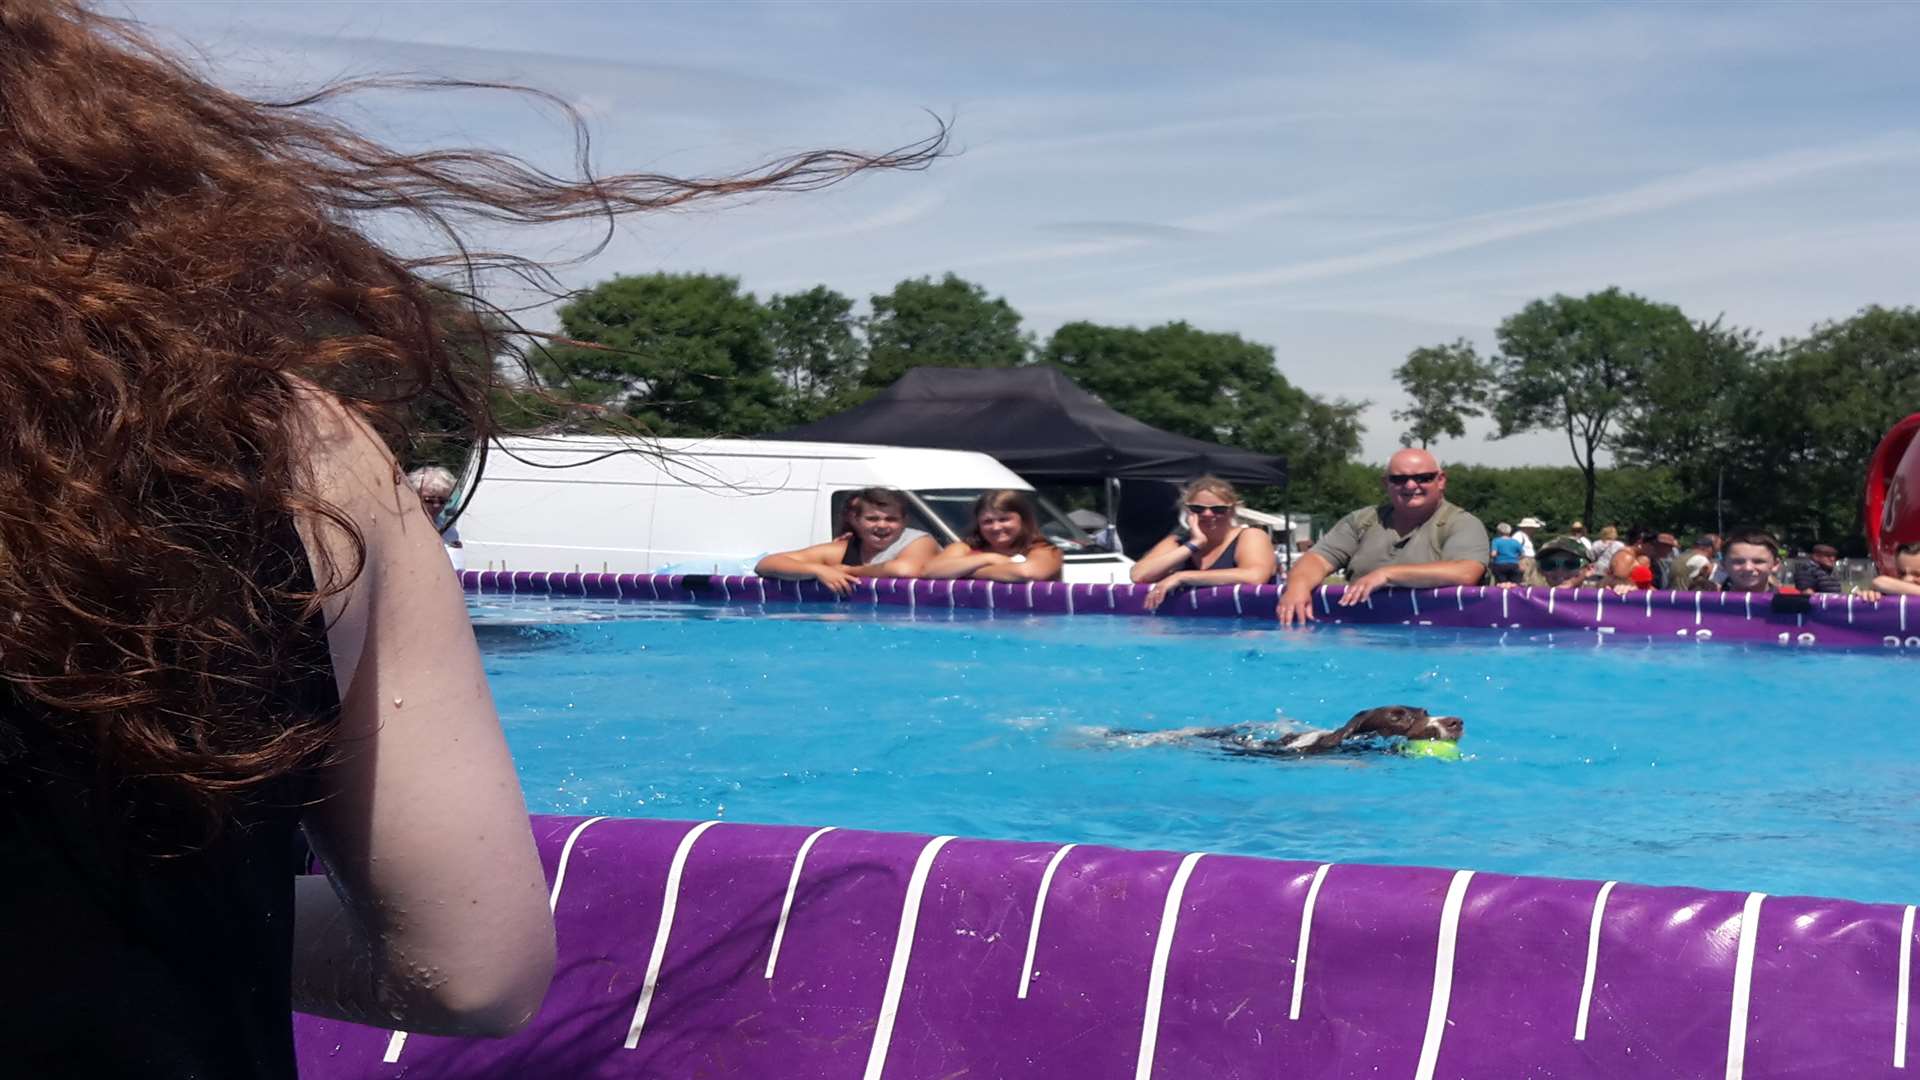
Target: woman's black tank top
[(123, 964), (1224, 562)]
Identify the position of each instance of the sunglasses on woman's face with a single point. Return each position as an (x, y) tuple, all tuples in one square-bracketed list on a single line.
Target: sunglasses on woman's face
[(1401, 479), (1559, 564), (1208, 509)]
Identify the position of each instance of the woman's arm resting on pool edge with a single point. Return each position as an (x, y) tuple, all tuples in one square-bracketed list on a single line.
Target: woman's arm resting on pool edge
[(436, 919), (957, 560), (1042, 563), (1168, 556)]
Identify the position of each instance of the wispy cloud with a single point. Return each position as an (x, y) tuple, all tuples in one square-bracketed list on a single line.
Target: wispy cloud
[(1561, 214)]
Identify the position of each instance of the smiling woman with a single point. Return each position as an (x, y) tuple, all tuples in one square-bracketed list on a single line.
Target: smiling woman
[(1006, 544), (1215, 550)]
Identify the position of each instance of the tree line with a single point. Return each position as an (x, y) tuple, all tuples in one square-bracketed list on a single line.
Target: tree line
[(693, 355), (1705, 424)]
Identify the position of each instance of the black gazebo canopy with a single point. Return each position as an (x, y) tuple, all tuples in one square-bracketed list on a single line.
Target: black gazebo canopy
[(1037, 423)]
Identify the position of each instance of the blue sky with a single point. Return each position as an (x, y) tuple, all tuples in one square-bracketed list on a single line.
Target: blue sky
[(1342, 182)]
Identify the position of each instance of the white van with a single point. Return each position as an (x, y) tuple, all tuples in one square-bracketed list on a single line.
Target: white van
[(593, 503)]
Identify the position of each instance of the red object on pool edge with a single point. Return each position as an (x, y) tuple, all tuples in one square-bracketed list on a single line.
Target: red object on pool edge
[(1642, 576), (1893, 493)]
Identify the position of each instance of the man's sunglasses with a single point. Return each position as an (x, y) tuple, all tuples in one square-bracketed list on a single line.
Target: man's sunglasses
[(1398, 479), (1206, 509), (1559, 564)]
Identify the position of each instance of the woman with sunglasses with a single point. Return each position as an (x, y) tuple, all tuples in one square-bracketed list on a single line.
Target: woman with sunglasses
[(1215, 551), (1006, 544)]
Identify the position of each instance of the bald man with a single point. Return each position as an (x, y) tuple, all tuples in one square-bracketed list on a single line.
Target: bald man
[(1416, 539)]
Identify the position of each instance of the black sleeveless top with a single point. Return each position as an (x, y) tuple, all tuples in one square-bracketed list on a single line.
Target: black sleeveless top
[(123, 964), (1224, 562)]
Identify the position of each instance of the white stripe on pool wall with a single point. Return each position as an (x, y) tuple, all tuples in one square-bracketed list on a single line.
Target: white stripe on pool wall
[(566, 855), (1157, 976), (1593, 960), (1442, 975), (1901, 999), (902, 954), (1743, 986), (793, 886), (668, 903), (1306, 932), (1039, 907)]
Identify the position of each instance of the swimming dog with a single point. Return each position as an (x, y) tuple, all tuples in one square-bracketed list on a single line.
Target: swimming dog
[(1405, 721)]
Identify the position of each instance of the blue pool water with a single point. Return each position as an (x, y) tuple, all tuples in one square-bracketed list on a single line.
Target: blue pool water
[(1788, 771)]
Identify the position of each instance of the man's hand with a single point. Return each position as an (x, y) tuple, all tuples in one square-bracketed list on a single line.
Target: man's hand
[(836, 579), (1164, 588), (1294, 607), (1358, 591)]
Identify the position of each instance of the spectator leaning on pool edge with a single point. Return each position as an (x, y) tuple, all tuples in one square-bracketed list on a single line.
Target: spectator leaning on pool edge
[(1006, 544), (1215, 551), (1416, 539), (1751, 560), (877, 543)]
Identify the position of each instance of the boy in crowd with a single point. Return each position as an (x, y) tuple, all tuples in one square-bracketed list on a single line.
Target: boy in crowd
[(1750, 561), (1904, 582)]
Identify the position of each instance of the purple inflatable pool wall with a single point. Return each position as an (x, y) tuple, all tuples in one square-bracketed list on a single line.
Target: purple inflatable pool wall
[(726, 950), (1796, 620), (731, 950)]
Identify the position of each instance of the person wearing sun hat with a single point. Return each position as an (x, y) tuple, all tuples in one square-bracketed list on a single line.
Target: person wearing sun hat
[(1577, 532)]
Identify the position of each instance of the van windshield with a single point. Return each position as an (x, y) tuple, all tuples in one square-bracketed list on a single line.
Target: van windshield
[(954, 508)]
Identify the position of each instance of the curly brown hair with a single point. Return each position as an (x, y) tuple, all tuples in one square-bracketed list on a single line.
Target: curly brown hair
[(174, 260)]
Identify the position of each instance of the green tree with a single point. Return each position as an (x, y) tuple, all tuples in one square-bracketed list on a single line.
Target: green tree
[(817, 355), (950, 323), (1448, 384), (1215, 386), (1811, 417), (1686, 413), (1578, 365), (683, 354)]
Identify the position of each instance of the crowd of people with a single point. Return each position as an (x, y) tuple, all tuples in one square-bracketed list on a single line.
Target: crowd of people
[(1416, 537), (1413, 538)]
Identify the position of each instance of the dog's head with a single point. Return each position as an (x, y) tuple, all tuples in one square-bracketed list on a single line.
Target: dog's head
[(1412, 722)]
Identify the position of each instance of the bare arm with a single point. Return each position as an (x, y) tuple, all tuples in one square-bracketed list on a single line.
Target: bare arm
[(1255, 564), (1171, 554), (1043, 563), (1414, 576), (1433, 574), (1893, 586), (910, 563), (436, 918), (1296, 597), (958, 560), (820, 563), (801, 565)]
